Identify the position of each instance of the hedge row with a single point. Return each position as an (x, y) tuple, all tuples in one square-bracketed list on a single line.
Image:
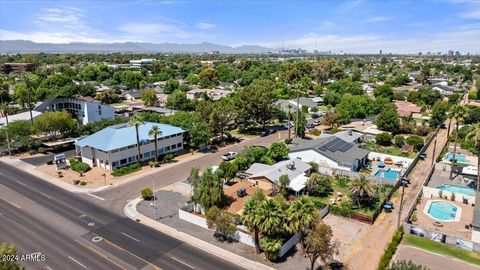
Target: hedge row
[(392, 247), (126, 170)]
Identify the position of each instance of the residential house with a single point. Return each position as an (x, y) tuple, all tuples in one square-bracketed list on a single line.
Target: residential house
[(267, 177), (226, 85), (406, 108), (291, 104), (17, 117), (85, 109), (366, 127), (331, 152), (162, 100), (116, 146), (214, 94), (443, 88)]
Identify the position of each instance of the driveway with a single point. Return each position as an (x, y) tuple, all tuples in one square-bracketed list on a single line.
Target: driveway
[(431, 260), (42, 159)]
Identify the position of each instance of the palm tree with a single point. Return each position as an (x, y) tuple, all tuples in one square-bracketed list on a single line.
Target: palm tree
[(136, 121), (271, 217), (252, 220), (474, 135), (459, 113), (361, 187), (155, 132), (301, 215), (28, 83)]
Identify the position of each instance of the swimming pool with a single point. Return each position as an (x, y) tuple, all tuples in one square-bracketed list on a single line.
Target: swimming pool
[(459, 158), (443, 211), (389, 174), (458, 189)]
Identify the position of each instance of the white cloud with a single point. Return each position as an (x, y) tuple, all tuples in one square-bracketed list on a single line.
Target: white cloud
[(49, 37), (472, 14), (68, 17), (377, 19), (205, 26), (347, 6)]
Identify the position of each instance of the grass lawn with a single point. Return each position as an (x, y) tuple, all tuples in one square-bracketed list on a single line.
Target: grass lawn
[(390, 150), (443, 249)]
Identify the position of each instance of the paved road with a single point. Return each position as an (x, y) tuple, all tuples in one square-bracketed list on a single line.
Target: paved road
[(432, 260), (116, 198), (40, 217)]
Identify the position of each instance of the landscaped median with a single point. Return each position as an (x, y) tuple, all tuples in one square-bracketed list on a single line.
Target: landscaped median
[(130, 210), (443, 249)]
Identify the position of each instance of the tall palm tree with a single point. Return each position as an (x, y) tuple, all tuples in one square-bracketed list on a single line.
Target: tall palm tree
[(27, 79), (459, 113), (301, 215), (361, 187), (155, 132), (252, 220), (474, 135), (136, 122), (271, 217)]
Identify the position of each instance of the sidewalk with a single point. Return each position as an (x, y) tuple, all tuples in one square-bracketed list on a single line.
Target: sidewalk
[(367, 251), (130, 210)]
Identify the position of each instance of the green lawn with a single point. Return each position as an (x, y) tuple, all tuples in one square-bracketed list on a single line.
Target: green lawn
[(443, 249), (390, 150)]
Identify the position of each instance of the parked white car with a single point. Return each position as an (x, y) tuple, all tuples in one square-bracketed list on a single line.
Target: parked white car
[(229, 156)]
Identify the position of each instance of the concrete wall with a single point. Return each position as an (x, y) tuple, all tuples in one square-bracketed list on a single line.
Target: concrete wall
[(475, 236), (289, 244), (430, 192), (395, 159)]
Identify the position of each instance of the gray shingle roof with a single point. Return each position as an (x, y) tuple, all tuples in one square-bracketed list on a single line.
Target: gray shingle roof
[(346, 158), (274, 171)]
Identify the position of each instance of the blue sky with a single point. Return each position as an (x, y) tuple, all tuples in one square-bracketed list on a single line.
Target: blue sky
[(349, 26)]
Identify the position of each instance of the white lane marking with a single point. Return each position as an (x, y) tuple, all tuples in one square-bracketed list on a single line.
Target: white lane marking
[(23, 184), (13, 204), (79, 263), (182, 262), (49, 268), (48, 196), (95, 196), (129, 236)]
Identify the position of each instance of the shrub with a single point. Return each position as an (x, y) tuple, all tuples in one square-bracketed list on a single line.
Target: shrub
[(271, 246), (416, 141), (168, 158), (387, 256), (315, 132), (154, 164), (42, 150), (288, 141), (147, 193), (404, 264), (384, 139), (76, 182), (80, 167), (83, 183), (50, 162), (126, 170), (399, 140)]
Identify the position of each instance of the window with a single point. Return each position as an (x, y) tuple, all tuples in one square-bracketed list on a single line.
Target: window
[(146, 155), (160, 150), (116, 163), (114, 151), (179, 145), (132, 159), (123, 161), (167, 148), (167, 137), (131, 146), (160, 139), (174, 146)]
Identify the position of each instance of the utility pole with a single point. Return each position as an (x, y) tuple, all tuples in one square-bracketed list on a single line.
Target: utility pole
[(289, 129), (298, 115), (401, 203), (433, 155)]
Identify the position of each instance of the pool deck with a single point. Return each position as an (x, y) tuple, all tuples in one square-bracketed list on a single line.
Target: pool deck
[(441, 176), (375, 168), (451, 228)]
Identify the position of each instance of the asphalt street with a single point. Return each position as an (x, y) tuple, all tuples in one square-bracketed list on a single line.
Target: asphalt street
[(39, 217)]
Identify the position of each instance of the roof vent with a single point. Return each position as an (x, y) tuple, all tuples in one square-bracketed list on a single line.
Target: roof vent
[(291, 166), (350, 132)]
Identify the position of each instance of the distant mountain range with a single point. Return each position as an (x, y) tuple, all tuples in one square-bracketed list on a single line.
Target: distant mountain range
[(25, 46)]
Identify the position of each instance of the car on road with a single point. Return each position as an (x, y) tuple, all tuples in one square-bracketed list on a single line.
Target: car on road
[(316, 122), (317, 115), (310, 126), (229, 156)]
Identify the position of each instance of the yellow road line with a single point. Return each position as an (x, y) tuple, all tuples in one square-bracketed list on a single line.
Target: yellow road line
[(101, 255)]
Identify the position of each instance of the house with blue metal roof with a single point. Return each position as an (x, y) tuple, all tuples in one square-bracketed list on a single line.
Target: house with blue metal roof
[(115, 146)]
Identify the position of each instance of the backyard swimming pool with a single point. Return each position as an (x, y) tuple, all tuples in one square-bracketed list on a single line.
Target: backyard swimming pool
[(442, 211), (459, 158), (458, 189), (389, 174)]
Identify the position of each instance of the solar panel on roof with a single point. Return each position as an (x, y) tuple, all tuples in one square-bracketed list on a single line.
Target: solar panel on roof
[(336, 144), (345, 147)]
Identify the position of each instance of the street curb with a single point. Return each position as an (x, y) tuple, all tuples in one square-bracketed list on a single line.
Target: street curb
[(130, 210)]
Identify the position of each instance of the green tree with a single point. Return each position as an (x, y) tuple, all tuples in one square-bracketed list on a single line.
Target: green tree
[(271, 246), (149, 97), (272, 217), (319, 185), (474, 135), (178, 101), (353, 106), (277, 151), (222, 222), (55, 123), (170, 86), (439, 113), (198, 134), (194, 180), (416, 141), (108, 97), (229, 170), (384, 139), (388, 120), (254, 103), (361, 189), (155, 132), (302, 215), (320, 244), (284, 182), (424, 75), (251, 218), (345, 86), (299, 125), (135, 121), (385, 91), (210, 189), (399, 140), (207, 77), (459, 113), (8, 250)]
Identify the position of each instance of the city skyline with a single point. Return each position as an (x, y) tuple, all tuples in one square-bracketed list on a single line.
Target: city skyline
[(347, 26)]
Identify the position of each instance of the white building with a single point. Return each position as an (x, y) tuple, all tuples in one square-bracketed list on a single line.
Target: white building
[(116, 146), (142, 62), (85, 109)]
